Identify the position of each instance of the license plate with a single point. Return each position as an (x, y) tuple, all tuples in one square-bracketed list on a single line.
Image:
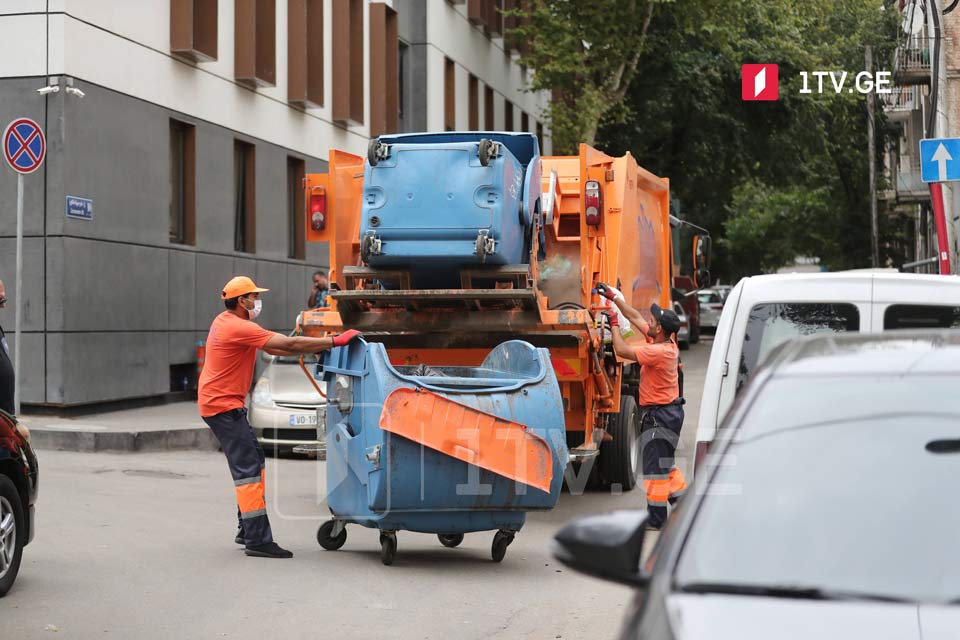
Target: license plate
[(303, 419)]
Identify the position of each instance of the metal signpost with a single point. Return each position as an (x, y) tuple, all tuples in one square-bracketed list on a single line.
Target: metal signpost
[(24, 148), (939, 163)]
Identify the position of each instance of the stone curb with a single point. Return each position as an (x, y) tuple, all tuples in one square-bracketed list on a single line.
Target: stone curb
[(191, 438)]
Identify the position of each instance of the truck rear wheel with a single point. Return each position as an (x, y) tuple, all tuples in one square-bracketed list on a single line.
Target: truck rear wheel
[(620, 458)]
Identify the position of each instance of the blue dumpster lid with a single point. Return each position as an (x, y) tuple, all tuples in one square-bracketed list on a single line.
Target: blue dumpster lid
[(523, 146)]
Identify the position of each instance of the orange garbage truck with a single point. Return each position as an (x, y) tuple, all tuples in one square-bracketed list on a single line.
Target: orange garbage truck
[(441, 261)]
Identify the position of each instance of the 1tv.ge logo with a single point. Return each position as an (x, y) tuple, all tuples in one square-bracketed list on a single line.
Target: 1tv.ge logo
[(761, 82)]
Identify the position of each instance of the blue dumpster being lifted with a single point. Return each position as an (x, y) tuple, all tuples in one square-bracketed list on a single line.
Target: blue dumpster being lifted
[(435, 202), (441, 450)]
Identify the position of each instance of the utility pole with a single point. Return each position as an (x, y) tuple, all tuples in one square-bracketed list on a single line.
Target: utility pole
[(942, 205), (872, 157)]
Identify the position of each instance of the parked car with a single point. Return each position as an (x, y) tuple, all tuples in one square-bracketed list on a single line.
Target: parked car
[(765, 311), (711, 305), (19, 477), (826, 510), (724, 291), (683, 336), (285, 410)]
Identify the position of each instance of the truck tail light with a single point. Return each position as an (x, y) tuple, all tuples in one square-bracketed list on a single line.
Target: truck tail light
[(318, 211), (592, 203)]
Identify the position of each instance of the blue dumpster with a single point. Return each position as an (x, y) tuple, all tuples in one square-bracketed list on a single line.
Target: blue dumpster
[(442, 450), (436, 201)]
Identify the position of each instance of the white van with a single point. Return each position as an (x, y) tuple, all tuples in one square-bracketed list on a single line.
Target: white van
[(763, 312)]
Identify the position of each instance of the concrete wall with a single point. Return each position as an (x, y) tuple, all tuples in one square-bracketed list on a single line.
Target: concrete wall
[(111, 304)]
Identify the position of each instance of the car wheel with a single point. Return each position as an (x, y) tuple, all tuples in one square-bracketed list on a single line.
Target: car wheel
[(12, 531)]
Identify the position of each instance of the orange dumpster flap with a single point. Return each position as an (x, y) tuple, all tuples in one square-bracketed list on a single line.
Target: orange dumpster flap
[(501, 446)]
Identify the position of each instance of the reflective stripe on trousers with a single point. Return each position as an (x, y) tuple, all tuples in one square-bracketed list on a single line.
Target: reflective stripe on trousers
[(246, 461), (659, 435)]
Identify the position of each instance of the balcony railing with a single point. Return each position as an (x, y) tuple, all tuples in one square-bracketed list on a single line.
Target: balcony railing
[(914, 55), (901, 99)]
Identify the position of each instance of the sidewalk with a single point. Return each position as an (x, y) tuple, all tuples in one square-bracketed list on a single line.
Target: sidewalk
[(165, 427)]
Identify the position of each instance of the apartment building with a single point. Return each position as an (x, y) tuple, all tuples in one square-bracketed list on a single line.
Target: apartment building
[(188, 125), (910, 107)]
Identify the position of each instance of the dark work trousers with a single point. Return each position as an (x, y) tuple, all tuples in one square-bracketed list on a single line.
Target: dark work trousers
[(659, 437), (247, 463)]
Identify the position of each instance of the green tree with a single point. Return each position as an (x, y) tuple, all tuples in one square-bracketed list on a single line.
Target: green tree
[(803, 156), (586, 54)]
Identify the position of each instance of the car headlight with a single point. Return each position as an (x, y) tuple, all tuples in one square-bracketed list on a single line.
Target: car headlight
[(262, 394), (22, 428)]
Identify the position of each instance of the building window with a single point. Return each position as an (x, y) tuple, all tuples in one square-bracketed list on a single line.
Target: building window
[(488, 115), (182, 183), (348, 61), (473, 119), (486, 14), (255, 42), (245, 196), (384, 76), (449, 95), (540, 135), (296, 245), (305, 52), (524, 122), (507, 115), (193, 29)]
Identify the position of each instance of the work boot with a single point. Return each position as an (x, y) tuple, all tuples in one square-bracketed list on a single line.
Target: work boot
[(239, 538), (269, 550)]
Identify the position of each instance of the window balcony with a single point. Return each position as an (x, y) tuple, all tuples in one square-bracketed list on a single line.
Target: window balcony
[(912, 61)]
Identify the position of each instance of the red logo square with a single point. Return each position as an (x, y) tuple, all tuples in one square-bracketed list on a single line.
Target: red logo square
[(760, 82)]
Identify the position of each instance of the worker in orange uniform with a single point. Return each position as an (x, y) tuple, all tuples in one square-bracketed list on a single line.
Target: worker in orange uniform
[(661, 401), (231, 353)]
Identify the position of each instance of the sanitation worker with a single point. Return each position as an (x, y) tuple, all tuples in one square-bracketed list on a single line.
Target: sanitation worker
[(661, 404), (224, 382)]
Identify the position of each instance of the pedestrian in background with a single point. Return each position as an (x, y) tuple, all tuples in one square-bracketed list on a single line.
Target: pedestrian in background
[(661, 401), (227, 374), (320, 290), (6, 367)]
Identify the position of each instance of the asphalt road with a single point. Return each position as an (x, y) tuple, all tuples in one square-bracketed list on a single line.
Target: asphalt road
[(141, 546)]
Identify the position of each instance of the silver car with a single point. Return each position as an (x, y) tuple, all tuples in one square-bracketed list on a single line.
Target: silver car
[(286, 412), (711, 304)]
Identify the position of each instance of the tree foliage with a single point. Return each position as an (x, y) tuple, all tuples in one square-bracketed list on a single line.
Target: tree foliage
[(771, 180), (586, 54)]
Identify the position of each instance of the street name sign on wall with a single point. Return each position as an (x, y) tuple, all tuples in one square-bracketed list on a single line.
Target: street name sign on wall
[(940, 159), (79, 208), (24, 145)]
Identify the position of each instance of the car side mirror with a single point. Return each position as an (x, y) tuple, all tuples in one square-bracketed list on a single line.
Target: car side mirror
[(606, 546), (702, 249)]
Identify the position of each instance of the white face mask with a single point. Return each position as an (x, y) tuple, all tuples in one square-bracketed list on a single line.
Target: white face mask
[(257, 308)]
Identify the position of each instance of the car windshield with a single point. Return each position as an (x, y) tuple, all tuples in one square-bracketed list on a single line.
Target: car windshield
[(708, 296), (841, 484)]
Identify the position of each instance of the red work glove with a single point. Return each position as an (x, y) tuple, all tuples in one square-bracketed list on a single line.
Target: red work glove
[(344, 338), (604, 290), (613, 319)]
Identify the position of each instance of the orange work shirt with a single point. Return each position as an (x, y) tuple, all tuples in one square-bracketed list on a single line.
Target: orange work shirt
[(659, 375), (230, 358)]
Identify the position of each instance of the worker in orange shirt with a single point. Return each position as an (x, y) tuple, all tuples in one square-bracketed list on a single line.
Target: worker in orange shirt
[(661, 401), (231, 354)]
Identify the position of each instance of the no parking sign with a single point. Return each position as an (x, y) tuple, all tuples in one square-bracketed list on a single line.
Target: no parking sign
[(24, 145)]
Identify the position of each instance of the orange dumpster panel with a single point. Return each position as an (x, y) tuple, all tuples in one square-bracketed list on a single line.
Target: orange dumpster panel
[(481, 439)]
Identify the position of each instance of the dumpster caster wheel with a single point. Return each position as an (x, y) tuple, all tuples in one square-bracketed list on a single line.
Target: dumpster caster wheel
[(450, 540), (501, 541), (326, 538), (485, 151), (388, 548)]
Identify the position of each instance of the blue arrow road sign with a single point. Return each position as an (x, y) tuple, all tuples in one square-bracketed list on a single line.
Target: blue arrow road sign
[(940, 159)]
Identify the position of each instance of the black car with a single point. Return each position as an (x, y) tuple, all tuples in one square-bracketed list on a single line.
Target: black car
[(18, 494), (827, 508)]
